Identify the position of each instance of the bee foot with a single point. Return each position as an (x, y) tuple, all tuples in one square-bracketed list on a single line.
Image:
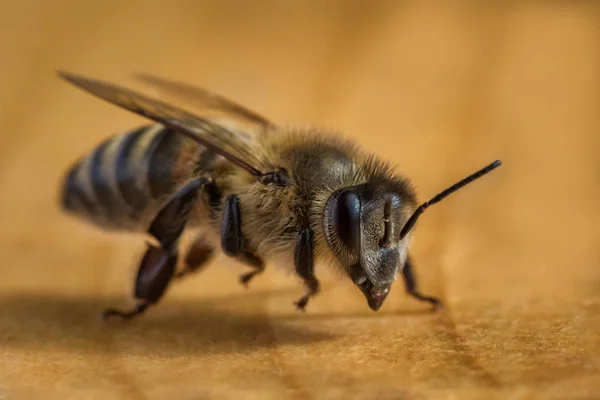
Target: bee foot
[(113, 312), (246, 278), (437, 305), (301, 304), (181, 274)]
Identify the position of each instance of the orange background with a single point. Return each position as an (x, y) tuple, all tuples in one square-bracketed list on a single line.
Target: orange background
[(439, 88)]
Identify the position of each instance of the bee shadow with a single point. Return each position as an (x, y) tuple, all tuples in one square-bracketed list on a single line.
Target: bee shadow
[(171, 328)]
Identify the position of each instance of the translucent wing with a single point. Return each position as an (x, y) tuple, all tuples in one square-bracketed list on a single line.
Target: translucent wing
[(201, 99), (242, 150)]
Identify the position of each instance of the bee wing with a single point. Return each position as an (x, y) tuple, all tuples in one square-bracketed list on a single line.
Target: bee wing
[(201, 98), (239, 148)]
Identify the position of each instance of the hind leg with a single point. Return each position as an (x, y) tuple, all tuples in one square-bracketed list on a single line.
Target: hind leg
[(154, 274), (157, 267)]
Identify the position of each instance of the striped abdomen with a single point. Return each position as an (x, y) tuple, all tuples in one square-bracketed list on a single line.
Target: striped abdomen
[(125, 180)]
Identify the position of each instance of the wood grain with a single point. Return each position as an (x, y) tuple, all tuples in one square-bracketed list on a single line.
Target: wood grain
[(439, 88)]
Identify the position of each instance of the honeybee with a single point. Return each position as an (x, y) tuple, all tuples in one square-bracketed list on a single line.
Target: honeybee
[(260, 191)]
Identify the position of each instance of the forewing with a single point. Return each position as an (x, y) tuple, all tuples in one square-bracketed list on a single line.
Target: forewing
[(201, 99), (241, 149)]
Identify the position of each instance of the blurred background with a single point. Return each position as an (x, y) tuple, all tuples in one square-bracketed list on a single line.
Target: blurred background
[(438, 88)]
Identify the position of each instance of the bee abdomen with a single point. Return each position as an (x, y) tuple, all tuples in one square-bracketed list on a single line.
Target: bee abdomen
[(121, 183)]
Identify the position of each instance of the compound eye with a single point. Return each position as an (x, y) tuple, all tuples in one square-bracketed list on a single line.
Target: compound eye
[(346, 218)]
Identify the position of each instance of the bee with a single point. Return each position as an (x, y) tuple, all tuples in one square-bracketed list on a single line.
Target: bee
[(259, 191)]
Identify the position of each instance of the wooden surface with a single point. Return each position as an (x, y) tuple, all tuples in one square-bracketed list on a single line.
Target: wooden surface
[(438, 88)]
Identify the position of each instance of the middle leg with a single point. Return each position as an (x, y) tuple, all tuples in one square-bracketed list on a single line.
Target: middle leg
[(198, 256), (233, 242)]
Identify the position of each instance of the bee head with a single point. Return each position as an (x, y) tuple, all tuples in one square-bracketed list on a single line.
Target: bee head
[(362, 227)]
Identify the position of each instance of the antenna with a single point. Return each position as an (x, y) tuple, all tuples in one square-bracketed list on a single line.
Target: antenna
[(438, 197)]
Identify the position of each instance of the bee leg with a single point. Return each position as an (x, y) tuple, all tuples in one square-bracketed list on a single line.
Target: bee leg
[(231, 227), (198, 256), (303, 261), (411, 286), (158, 264), (232, 240), (254, 262), (154, 274), (113, 312)]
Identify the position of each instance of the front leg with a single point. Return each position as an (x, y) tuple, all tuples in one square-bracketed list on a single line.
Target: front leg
[(233, 242), (304, 263), (411, 286)]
